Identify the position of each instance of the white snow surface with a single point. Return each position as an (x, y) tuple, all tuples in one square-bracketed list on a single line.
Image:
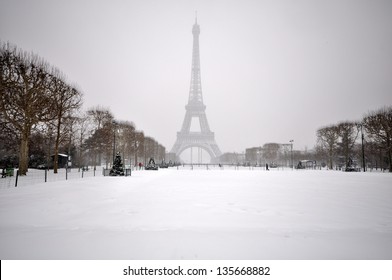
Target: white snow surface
[(201, 214)]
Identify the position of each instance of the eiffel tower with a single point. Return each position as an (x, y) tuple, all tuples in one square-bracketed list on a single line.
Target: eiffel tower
[(205, 139)]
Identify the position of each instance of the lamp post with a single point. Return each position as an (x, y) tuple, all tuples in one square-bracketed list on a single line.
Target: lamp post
[(292, 164)]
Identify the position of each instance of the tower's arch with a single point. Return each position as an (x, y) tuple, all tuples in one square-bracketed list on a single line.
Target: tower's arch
[(205, 148)]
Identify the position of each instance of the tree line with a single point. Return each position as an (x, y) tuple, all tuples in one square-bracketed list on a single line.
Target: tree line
[(106, 135), (367, 143), (41, 117), (369, 140)]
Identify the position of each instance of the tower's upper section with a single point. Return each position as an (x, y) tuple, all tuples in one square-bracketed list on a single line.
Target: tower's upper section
[(196, 28), (195, 93)]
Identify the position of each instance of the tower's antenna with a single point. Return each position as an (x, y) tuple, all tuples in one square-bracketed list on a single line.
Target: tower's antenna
[(196, 17)]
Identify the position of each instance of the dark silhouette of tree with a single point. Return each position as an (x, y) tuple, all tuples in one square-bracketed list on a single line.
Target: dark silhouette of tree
[(378, 126), (101, 141), (82, 130), (38, 109), (102, 118), (327, 141), (66, 100), (348, 134), (373, 154), (100, 115), (32, 94), (8, 139), (126, 138), (37, 150), (25, 98), (138, 145), (149, 149)]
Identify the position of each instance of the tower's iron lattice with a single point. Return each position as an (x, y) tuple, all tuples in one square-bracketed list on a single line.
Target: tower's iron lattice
[(186, 138)]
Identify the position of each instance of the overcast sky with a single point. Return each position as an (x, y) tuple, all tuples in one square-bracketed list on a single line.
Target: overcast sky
[(271, 71)]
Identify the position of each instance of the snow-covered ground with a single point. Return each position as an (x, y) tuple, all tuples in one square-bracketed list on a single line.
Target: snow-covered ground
[(201, 214)]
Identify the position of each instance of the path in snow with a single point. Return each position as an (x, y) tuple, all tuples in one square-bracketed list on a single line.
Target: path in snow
[(201, 214)]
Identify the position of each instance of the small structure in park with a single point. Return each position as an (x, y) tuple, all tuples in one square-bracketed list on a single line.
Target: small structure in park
[(151, 165), (117, 169), (63, 161)]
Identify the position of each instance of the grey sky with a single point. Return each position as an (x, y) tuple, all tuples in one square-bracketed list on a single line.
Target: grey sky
[(271, 70)]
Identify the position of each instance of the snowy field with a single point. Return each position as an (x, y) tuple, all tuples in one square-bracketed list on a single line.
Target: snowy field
[(201, 214)]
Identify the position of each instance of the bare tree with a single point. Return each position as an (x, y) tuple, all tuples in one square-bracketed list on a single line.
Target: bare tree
[(378, 126), (83, 129), (138, 145), (8, 138), (373, 154), (103, 120), (127, 137), (66, 100), (107, 141), (348, 133), (327, 140), (149, 144), (100, 115), (24, 95)]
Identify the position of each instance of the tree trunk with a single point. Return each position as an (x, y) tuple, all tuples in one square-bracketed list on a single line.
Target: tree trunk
[(56, 160), (24, 154), (330, 158), (389, 149), (56, 149), (136, 162), (93, 159)]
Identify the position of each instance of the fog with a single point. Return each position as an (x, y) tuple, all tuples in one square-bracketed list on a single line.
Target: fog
[(271, 71)]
